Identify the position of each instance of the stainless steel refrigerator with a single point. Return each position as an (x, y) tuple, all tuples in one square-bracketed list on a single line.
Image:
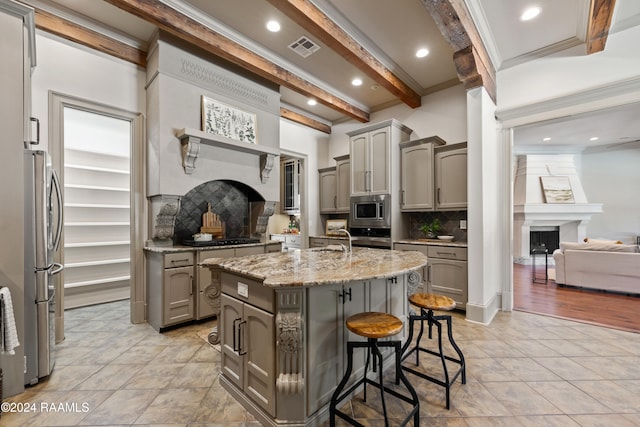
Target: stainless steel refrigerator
[(43, 228)]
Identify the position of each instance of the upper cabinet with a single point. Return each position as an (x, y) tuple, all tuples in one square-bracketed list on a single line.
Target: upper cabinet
[(417, 177), (327, 180), (335, 186), (451, 177), (433, 175), (290, 186), (370, 149)]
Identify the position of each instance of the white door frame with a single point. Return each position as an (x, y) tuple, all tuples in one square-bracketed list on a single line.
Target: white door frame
[(138, 214)]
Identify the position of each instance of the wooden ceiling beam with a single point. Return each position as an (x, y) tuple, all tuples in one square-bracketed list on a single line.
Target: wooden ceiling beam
[(304, 120), (312, 19), (71, 31), (600, 14), (470, 57), (191, 31)]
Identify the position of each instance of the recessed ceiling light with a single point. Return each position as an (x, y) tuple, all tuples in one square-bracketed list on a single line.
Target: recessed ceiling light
[(546, 139), (422, 52), (530, 13), (595, 138), (312, 102), (356, 82), (273, 26)]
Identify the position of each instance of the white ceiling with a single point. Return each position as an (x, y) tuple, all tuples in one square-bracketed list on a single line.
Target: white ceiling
[(392, 31)]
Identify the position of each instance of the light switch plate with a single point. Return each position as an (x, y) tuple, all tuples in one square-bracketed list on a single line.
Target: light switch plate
[(243, 289), (463, 224)]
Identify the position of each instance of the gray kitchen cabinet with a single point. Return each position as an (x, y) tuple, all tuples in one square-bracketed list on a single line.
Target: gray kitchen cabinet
[(328, 197), (330, 306), (248, 337), (335, 191), (447, 273), (371, 156), (417, 176), (451, 177), (321, 242), (343, 184), (170, 280)]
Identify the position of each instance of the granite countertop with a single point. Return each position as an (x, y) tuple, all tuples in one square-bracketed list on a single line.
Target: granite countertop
[(319, 266), (432, 242), (150, 247)]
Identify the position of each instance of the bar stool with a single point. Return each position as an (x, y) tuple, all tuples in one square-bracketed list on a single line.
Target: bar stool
[(427, 304), (374, 325)]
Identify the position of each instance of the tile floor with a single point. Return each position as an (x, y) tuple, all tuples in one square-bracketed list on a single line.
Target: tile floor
[(522, 370)]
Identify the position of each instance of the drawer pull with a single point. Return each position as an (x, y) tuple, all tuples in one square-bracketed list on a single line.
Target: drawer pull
[(446, 253), (176, 261)]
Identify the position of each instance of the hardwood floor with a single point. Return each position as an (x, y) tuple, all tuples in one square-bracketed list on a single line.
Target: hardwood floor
[(594, 307)]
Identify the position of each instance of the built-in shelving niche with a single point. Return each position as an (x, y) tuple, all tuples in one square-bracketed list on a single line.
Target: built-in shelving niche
[(96, 226)]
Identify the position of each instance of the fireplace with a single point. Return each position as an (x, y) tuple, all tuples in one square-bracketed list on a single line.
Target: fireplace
[(544, 238), (535, 220)]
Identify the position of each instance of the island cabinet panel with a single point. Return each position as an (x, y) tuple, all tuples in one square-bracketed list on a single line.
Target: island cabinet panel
[(327, 309), (248, 338)]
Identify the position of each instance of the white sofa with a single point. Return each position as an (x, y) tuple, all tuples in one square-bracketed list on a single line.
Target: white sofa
[(599, 265)]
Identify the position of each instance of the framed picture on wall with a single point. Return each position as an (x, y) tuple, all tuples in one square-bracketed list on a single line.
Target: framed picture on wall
[(227, 121), (557, 189), (333, 225)]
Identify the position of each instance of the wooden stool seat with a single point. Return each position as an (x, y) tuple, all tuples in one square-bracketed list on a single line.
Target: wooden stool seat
[(374, 324), (432, 302), (427, 304)]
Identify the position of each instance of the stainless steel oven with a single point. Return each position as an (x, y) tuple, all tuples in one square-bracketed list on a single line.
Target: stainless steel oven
[(379, 238), (370, 211)]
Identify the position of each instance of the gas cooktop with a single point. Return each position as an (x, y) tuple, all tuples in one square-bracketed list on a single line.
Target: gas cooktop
[(222, 242)]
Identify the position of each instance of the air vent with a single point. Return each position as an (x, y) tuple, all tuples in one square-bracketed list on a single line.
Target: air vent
[(304, 46)]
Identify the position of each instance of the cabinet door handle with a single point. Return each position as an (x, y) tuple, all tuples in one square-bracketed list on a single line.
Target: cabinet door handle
[(335, 201), (192, 285), (37, 141), (438, 195), (241, 350), (343, 295), (236, 335), (402, 198), (393, 280), (429, 274)]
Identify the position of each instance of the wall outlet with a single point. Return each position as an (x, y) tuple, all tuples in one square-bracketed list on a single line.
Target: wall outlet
[(243, 289), (463, 224)]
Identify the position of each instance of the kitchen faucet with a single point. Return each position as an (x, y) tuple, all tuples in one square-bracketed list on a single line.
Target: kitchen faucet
[(348, 234)]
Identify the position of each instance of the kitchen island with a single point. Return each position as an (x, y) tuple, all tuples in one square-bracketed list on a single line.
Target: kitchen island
[(282, 333)]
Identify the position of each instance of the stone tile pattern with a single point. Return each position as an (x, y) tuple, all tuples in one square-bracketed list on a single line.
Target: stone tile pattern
[(311, 267), (229, 199), (522, 370)]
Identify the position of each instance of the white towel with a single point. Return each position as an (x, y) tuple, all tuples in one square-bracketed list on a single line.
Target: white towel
[(8, 321)]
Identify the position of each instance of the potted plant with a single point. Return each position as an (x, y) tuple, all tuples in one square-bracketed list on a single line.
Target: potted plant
[(430, 229)]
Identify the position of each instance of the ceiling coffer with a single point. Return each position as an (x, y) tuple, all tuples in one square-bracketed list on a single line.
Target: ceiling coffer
[(304, 46)]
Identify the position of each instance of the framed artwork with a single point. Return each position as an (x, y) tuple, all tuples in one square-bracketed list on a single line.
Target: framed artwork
[(333, 225), (227, 121), (557, 189)]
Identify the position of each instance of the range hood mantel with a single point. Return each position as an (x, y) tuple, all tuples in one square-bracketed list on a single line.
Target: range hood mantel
[(192, 138)]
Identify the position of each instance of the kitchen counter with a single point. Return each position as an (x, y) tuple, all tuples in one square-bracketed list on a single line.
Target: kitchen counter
[(282, 323), (150, 247), (432, 242), (321, 266)]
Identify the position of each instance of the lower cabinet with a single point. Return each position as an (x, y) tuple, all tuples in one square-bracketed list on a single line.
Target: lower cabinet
[(445, 272), (170, 299), (328, 308), (321, 242), (248, 340), (179, 290)]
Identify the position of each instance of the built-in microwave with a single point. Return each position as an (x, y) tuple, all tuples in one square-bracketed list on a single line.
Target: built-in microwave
[(370, 211)]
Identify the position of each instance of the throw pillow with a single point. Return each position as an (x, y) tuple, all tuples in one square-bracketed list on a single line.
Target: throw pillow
[(615, 242)]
